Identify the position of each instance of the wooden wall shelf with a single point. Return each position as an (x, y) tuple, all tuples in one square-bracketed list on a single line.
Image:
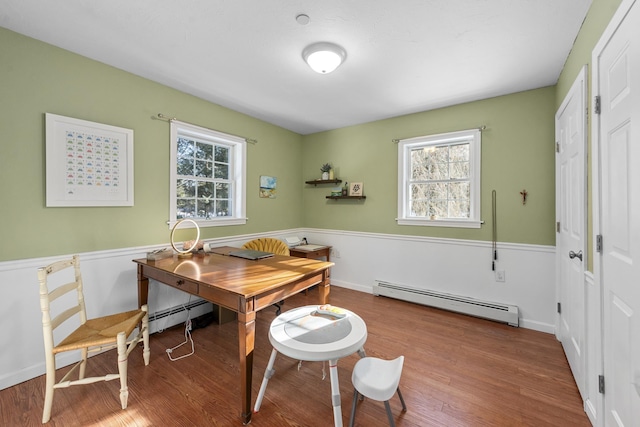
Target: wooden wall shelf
[(346, 197), (324, 181)]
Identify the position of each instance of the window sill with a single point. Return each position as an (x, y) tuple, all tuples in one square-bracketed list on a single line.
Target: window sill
[(203, 223), (440, 222)]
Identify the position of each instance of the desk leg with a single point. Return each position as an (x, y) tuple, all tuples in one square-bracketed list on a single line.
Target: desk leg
[(143, 288), (335, 392), (324, 288), (246, 337)]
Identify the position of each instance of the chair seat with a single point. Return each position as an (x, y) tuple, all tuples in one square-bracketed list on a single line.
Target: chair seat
[(376, 378), (100, 331)]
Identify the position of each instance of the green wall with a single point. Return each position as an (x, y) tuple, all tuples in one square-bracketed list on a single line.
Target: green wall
[(38, 78), (517, 154)]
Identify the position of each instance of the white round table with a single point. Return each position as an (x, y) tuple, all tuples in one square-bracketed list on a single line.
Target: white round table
[(303, 334)]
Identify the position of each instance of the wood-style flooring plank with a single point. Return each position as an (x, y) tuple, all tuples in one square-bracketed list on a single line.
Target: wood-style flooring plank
[(459, 371)]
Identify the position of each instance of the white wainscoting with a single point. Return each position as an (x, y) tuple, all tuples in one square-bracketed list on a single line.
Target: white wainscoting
[(454, 266), (459, 267)]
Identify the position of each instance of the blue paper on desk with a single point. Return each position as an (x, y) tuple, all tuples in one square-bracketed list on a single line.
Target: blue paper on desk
[(251, 254)]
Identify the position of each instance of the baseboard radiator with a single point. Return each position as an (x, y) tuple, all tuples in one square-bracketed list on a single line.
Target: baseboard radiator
[(471, 306), (174, 310), (163, 319)]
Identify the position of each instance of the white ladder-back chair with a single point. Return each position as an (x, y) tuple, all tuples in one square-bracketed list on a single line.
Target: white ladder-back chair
[(91, 335)]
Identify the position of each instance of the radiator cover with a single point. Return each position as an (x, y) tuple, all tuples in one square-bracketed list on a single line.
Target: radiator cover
[(465, 305)]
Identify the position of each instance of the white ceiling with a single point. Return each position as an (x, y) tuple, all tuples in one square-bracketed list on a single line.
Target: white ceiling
[(403, 56)]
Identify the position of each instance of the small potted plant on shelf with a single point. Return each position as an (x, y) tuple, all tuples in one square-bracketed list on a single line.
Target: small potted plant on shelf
[(326, 169)]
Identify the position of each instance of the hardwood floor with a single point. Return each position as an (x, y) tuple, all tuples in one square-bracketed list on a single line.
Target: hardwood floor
[(458, 371)]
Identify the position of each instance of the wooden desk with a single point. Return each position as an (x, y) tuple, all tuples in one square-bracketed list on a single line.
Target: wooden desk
[(240, 285), (316, 251), (320, 251)]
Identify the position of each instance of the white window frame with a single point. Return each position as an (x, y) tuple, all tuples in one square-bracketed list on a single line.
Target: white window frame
[(238, 173), (405, 146)]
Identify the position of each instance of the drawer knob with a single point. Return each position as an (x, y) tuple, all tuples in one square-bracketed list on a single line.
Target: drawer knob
[(180, 282)]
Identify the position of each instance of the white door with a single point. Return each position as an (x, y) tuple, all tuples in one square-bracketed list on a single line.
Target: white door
[(571, 230), (617, 59)]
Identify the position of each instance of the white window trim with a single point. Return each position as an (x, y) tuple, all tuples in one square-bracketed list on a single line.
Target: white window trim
[(239, 168), (404, 148)]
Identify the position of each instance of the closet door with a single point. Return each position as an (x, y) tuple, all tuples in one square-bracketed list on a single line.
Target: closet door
[(617, 58), (571, 211)]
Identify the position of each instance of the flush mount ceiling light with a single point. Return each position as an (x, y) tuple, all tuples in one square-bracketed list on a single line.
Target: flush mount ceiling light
[(324, 57)]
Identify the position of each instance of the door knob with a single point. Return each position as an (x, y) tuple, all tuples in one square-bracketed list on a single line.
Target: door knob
[(573, 255)]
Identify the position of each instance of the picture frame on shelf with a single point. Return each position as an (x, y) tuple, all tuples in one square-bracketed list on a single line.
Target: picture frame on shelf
[(356, 189)]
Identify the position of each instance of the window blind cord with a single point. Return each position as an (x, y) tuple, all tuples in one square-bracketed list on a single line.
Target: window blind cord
[(494, 237)]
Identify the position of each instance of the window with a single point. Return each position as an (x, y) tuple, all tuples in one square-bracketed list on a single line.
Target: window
[(439, 180), (207, 176)]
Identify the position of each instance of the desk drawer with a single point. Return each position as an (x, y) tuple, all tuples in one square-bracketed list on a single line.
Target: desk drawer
[(186, 286), (316, 254), (177, 282)]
